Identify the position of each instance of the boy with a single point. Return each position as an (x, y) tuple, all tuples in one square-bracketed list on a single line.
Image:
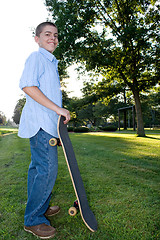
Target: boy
[(40, 82)]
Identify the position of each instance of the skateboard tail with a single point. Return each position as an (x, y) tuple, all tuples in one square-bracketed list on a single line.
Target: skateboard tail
[(86, 214), (89, 218)]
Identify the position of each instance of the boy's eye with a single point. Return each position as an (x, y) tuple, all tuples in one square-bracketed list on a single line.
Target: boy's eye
[(47, 34)]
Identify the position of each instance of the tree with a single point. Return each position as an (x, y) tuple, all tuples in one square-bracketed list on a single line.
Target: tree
[(112, 36), (18, 110), (2, 118)]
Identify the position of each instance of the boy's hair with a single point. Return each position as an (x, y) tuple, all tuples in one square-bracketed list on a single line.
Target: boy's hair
[(40, 27)]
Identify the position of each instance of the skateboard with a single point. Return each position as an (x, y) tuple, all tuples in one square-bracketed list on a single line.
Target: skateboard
[(81, 203)]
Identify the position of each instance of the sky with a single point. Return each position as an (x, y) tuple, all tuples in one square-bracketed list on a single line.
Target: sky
[(17, 19)]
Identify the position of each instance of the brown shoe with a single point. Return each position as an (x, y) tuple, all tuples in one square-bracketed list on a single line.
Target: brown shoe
[(42, 231), (52, 211)]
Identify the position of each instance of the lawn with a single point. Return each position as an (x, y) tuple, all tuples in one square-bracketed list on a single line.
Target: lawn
[(121, 176)]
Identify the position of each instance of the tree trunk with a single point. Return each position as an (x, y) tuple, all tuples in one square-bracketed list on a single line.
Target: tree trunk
[(140, 125), (125, 113)]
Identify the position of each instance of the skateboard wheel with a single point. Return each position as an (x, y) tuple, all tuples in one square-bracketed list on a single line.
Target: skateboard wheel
[(53, 142), (72, 211)]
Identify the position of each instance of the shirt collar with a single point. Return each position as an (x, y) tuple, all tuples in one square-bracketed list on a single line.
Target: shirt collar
[(47, 54)]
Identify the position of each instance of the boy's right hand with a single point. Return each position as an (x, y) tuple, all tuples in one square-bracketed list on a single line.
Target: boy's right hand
[(64, 112)]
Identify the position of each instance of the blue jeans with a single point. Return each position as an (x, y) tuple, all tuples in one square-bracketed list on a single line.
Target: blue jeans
[(42, 175)]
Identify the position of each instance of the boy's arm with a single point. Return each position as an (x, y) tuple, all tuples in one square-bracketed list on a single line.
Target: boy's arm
[(36, 94)]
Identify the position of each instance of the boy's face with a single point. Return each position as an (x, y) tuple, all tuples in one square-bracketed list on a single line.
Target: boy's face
[(48, 38)]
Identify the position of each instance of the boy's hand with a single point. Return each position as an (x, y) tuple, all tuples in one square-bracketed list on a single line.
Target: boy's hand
[(64, 112)]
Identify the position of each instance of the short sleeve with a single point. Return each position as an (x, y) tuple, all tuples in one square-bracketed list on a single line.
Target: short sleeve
[(32, 72)]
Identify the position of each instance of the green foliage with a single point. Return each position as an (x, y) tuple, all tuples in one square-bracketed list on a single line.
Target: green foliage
[(2, 118), (134, 36), (70, 129), (151, 107), (109, 128), (97, 112), (116, 37), (81, 129), (18, 110)]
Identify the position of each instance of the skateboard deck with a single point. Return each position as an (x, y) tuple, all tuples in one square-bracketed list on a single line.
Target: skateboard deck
[(85, 211)]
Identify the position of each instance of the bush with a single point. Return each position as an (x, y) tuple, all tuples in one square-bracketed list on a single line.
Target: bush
[(109, 128), (94, 129), (81, 129), (70, 129)]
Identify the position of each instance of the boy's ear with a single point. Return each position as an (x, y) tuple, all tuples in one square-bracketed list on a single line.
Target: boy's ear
[(36, 39)]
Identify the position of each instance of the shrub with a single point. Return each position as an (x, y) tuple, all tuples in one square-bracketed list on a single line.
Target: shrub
[(81, 129), (70, 129), (109, 128), (94, 129)]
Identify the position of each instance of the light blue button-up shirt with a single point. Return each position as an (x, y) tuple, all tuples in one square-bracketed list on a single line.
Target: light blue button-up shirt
[(40, 70)]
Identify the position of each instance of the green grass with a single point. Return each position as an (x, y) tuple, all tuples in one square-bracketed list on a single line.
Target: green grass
[(121, 176)]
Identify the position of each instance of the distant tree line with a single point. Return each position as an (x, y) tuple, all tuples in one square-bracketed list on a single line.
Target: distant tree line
[(90, 110)]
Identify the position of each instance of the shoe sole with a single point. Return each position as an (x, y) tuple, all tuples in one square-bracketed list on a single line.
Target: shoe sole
[(27, 230)]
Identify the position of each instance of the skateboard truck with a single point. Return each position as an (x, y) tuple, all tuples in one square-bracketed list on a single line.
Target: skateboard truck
[(73, 210), (55, 141)]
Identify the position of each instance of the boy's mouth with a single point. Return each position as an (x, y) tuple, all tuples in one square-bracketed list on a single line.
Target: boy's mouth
[(51, 43)]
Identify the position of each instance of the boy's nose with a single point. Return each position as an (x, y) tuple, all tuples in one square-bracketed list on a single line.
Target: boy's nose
[(52, 37)]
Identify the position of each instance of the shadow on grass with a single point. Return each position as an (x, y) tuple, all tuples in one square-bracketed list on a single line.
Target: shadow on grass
[(153, 138)]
